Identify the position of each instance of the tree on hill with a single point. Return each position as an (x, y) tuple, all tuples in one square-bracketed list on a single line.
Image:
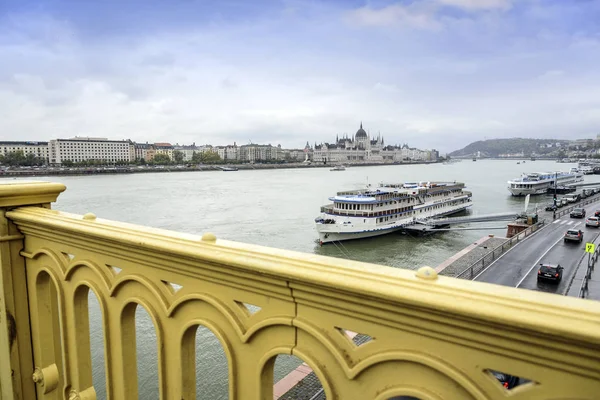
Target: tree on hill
[(495, 147)]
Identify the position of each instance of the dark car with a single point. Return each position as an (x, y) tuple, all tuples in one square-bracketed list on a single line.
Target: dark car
[(574, 235), (508, 381), (597, 213), (551, 207), (550, 272), (577, 213)]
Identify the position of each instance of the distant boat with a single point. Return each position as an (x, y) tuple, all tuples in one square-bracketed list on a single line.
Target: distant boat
[(532, 158), (227, 169), (338, 168), (474, 158), (518, 162)]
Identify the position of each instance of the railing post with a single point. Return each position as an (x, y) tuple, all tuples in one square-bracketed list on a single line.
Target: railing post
[(16, 352)]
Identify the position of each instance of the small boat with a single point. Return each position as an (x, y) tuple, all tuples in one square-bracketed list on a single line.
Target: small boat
[(338, 168), (474, 159), (518, 162), (227, 169)]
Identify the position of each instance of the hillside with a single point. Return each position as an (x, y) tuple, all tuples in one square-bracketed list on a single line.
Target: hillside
[(496, 147)]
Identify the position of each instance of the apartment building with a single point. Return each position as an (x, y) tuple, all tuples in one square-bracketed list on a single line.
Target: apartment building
[(38, 149), (164, 148), (255, 152), (80, 149)]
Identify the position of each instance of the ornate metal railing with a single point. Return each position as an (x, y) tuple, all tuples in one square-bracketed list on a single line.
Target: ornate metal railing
[(432, 337)]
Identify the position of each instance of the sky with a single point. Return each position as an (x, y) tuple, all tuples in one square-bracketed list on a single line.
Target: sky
[(431, 73)]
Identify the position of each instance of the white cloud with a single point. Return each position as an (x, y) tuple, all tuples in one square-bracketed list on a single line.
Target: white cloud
[(552, 74), (384, 87), (478, 4), (414, 15)]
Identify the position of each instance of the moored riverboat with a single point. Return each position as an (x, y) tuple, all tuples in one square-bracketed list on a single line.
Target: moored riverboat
[(388, 208), (540, 182)]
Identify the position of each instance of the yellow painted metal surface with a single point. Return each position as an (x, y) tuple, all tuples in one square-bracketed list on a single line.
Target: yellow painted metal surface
[(433, 337)]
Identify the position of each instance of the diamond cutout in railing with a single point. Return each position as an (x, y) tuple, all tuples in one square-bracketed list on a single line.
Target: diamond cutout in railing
[(68, 255), (172, 286), (357, 339), (508, 381), (116, 270), (249, 309)]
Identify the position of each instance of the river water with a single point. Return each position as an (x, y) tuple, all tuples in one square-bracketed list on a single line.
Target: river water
[(275, 208)]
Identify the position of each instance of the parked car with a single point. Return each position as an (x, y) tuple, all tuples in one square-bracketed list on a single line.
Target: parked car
[(572, 198), (577, 213), (508, 381), (597, 213), (551, 207), (574, 235), (592, 221), (550, 272), (564, 201)]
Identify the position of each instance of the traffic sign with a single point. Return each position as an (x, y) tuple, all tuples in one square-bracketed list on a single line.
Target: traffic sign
[(590, 247)]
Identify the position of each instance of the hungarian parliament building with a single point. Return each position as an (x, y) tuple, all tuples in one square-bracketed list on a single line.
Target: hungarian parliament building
[(361, 148)]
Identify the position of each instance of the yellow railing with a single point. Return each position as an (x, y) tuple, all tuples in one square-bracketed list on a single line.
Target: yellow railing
[(432, 337)]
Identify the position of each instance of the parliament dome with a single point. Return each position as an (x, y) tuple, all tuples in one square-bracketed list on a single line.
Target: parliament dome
[(360, 134)]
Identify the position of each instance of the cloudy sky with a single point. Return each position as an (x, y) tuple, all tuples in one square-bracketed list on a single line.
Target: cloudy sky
[(433, 73)]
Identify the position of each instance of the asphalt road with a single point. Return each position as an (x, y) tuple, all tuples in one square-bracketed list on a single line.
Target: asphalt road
[(518, 267)]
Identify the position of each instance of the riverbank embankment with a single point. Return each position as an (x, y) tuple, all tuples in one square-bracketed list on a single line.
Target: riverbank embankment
[(62, 171)]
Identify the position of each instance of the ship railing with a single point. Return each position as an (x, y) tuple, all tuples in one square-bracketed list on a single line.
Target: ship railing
[(422, 335), (480, 264)]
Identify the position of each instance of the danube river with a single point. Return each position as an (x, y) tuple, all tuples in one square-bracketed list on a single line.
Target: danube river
[(277, 208)]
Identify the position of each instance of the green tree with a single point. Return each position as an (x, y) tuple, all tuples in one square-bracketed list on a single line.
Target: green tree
[(206, 157), (162, 159), (178, 157), (67, 163)]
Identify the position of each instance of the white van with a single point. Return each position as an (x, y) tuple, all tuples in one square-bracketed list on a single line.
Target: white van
[(572, 198)]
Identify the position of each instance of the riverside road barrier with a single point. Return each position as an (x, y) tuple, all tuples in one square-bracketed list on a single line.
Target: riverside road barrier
[(471, 271)]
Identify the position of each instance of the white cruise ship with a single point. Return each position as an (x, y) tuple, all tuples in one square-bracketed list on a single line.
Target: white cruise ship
[(540, 182), (371, 212)]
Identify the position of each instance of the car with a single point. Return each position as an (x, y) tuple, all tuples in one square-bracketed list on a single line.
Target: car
[(592, 221), (597, 213), (577, 213), (508, 381), (550, 272), (551, 207), (572, 198), (574, 235)]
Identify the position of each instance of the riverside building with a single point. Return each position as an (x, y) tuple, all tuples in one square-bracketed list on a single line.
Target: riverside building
[(80, 149), (38, 149)]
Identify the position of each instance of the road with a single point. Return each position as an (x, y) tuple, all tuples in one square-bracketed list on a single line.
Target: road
[(518, 267)]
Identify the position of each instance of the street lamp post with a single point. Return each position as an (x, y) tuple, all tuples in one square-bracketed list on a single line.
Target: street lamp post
[(554, 208)]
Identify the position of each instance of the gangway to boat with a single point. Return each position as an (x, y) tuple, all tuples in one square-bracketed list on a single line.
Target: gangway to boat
[(579, 184), (506, 216)]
